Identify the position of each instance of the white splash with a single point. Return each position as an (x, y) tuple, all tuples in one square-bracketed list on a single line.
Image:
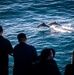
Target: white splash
[(67, 28), (62, 29), (43, 29)]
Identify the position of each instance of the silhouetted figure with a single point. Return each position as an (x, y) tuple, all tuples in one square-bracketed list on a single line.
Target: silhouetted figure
[(69, 69), (5, 49), (47, 65), (53, 51), (24, 56)]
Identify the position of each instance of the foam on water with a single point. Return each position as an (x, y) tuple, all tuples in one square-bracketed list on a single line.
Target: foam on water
[(61, 29)]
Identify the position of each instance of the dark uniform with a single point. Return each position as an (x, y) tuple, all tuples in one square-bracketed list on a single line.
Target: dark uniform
[(24, 56), (5, 49), (47, 67), (69, 69)]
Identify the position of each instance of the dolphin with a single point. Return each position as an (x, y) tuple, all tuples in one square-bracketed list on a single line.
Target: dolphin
[(50, 24), (53, 23), (42, 25)]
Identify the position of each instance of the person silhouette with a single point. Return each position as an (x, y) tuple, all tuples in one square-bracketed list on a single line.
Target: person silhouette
[(5, 50), (47, 65), (24, 56), (69, 68)]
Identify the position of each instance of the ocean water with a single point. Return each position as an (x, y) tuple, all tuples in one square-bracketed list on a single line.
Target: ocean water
[(18, 16)]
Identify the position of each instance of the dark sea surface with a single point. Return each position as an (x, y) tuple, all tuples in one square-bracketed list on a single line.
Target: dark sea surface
[(18, 16)]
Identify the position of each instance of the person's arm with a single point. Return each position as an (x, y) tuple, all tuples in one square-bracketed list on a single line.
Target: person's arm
[(9, 48), (34, 54)]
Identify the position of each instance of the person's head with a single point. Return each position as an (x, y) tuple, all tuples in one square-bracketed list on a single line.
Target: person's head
[(47, 54), (1, 30), (21, 37)]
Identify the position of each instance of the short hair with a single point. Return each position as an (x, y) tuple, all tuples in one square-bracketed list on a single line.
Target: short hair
[(45, 53), (21, 37), (1, 29)]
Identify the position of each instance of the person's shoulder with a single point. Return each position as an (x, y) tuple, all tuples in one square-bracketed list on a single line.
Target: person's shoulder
[(31, 46), (53, 61), (17, 45), (6, 40), (69, 69), (69, 66)]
